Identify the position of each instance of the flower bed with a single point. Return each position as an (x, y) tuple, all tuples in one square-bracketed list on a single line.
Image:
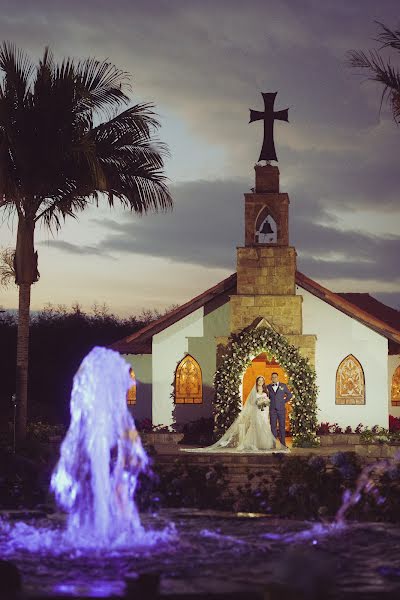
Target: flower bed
[(332, 434), (301, 487)]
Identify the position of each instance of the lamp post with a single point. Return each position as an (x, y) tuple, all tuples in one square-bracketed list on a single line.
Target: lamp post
[(14, 402)]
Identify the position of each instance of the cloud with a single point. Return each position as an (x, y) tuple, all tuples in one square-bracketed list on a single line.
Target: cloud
[(204, 227), (207, 224), (69, 248), (389, 298), (204, 64)]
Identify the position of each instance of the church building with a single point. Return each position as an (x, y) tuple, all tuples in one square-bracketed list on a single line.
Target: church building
[(351, 339)]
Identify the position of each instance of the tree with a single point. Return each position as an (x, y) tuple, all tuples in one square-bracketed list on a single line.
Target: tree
[(64, 145), (380, 69), (7, 271)]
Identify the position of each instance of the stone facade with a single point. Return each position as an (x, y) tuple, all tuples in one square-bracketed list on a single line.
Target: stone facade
[(266, 270), (266, 273), (257, 205), (282, 312)]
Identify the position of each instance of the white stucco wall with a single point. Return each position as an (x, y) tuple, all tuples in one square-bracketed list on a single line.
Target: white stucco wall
[(203, 349), (393, 363), (338, 336), (169, 347), (195, 334)]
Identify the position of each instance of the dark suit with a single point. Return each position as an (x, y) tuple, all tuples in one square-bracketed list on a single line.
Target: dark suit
[(277, 409)]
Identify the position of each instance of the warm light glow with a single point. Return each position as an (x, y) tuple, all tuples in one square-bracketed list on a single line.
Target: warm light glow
[(350, 383), (261, 365), (395, 392), (131, 395), (188, 383)]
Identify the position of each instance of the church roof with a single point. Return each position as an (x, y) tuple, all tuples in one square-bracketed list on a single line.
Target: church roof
[(385, 313), (362, 307), (372, 313), (140, 341), (371, 305)]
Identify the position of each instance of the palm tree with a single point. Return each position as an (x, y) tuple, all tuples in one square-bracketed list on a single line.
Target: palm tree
[(63, 145), (7, 271), (380, 69)]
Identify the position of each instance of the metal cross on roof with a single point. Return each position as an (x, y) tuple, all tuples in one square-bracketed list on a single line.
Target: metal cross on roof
[(268, 116)]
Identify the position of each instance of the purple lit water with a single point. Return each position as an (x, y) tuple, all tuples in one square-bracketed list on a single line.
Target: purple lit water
[(100, 539), (95, 479), (214, 553), (101, 458)]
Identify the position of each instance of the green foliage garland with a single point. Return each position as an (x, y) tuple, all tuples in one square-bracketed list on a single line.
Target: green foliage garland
[(245, 346)]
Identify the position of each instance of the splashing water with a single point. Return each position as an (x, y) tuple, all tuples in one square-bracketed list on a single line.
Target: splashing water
[(101, 455), (96, 476), (365, 484)]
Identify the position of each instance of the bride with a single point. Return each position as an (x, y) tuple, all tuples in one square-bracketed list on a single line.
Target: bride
[(251, 430)]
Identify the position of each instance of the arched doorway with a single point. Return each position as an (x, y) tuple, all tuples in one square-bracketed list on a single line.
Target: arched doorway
[(261, 365)]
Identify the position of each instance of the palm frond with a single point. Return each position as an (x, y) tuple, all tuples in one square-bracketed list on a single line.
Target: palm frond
[(378, 69), (7, 270), (389, 38), (381, 69), (17, 68), (53, 161), (133, 160), (140, 119), (101, 85), (66, 202), (395, 101)]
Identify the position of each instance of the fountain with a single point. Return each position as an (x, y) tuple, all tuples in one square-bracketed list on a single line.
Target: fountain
[(100, 539), (101, 456), (95, 479)]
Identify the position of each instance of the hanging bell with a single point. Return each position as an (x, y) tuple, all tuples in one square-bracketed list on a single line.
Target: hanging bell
[(266, 228)]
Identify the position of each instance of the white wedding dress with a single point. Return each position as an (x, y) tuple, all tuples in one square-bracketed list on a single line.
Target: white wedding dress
[(250, 432)]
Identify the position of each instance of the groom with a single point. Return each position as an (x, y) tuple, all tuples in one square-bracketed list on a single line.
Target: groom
[(279, 394)]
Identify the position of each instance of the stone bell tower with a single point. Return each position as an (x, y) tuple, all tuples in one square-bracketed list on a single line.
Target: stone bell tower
[(266, 265)]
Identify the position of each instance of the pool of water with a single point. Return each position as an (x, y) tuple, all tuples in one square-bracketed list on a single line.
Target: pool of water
[(212, 552)]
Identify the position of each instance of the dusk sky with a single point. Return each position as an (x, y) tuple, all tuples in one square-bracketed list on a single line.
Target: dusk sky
[(204, 64)]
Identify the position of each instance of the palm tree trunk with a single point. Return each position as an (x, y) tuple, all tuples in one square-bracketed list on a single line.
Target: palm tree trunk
[(26, 273), (22, 358)]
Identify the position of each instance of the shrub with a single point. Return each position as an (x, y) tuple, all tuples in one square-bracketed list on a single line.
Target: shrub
[(394, 424), (43, 432), (144, 425), (200, 432), (379, 435), (326, 428), (183, 486)]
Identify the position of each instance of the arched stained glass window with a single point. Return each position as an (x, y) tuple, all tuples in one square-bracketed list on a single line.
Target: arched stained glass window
[(188, 383), (350, 382), (395, 391), (131, 394)]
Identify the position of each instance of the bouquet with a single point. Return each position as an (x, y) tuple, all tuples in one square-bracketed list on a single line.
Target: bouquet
[(263, 401)]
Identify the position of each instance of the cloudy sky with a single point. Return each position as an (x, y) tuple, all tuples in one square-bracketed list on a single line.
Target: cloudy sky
[(204, 64)]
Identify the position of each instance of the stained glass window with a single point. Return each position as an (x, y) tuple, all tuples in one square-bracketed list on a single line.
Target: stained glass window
[(395, 392), (350, 382), (131, 395), (188, 384)]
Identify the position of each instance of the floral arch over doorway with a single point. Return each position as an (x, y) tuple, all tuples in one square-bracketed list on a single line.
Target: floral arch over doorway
[(241, 349)]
